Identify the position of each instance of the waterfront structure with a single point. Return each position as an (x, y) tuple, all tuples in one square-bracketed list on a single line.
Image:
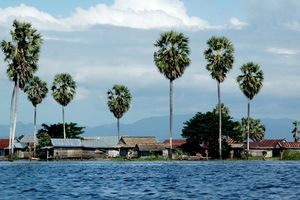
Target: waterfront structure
[(128, 145), (100, 147), (267, 145)]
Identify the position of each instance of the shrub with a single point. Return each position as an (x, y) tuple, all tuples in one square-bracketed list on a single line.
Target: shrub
[(291, 155)]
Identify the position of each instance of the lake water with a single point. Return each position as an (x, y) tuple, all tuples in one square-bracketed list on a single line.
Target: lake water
[(150, 180)]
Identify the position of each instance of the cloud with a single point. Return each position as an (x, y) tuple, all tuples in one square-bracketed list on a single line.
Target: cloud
[(154, 14), (282, 51), (234, 23)]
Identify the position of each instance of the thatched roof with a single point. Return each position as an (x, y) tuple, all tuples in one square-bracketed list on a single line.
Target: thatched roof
[(150, 147), (130, 142)]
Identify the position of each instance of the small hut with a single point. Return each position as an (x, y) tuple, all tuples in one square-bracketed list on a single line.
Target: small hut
[(150, 149)]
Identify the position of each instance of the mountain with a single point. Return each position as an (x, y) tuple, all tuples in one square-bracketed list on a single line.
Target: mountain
[(152, 126), (21, 129), (159, 127)]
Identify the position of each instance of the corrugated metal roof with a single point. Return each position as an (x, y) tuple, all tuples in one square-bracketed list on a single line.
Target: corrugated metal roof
[(4, 143), (290, 145), (100, 142), (20, 145), (66, 142), (264, 144), (27, 139), (175, 143)]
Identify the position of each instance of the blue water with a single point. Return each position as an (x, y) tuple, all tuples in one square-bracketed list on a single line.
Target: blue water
[(150, 180)]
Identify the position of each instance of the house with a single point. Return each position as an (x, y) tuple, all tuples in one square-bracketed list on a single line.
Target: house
[(149, 149), (237, 147), (28, 140), (176, 143), (4, 143), (64, 148), (267, 145), (127, 145), (100, 147)]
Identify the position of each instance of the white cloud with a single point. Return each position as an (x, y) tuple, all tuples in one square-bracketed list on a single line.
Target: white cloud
[(234, 23), (283, 51), (154, 14)]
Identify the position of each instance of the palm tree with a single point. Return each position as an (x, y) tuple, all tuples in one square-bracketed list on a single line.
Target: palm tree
[(220, 60), (257, 130), (171, 59), (250, 82), (295, 131), (119, 99), (63, 92), (36, 91), (22, 55)]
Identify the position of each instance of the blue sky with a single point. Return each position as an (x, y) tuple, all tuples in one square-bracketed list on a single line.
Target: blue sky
[(106, 42)]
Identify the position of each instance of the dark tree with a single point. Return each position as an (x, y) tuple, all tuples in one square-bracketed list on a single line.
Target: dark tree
[(57, 130), (203, 129)]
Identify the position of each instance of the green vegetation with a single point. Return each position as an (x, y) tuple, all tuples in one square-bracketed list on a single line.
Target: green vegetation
[(56, 130), (220, 60), (250, 84), (203, 129), (291, 155), (119, 99), (64, 90), (36, 91), (296, 131), (22, 55), (257, 130), (171, 59)]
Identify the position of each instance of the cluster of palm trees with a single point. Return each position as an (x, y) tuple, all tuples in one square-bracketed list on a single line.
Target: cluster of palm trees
[(22, 54), (172, 58)]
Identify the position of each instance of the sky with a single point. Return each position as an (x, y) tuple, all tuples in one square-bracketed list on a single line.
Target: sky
[(106, 42)]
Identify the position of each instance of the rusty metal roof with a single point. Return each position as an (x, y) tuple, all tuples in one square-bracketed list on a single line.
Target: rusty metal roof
[(289, 145), (264, 144), (4, 143), (176, 143)]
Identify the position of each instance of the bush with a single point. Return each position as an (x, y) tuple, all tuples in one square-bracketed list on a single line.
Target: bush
[(291, 155)]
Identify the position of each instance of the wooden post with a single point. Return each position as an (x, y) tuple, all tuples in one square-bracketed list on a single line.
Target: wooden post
[(281, 154)]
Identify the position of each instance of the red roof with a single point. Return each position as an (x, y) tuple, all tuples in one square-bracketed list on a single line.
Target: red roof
[(176, 143), (289, 145), (4, 143), (230, 141), (264, 144)]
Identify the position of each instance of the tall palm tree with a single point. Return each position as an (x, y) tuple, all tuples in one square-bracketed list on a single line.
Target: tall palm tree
[(295, 131), (36, 91), (22, 55), (171, 59), (119, 99), (220, 60), (63, 92), (257, 130), (250, 82)]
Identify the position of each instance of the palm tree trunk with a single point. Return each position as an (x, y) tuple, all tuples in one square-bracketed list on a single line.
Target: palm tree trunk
[(220, 122), (15, 120), (171, 116), (63, 116), (11, 118), (118, 124), (34, 133), (248, 126)]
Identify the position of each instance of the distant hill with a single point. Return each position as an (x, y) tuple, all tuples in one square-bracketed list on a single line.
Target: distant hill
[(159, 127)]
